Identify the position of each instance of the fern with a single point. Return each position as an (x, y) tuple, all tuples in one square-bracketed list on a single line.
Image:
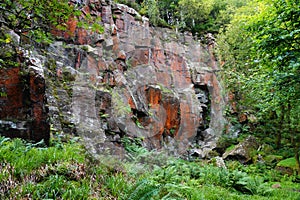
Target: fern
[(145, 190), (176, 191)]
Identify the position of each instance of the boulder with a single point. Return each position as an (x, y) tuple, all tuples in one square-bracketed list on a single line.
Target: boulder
[(219, 162), (243, 151), (287, 166)]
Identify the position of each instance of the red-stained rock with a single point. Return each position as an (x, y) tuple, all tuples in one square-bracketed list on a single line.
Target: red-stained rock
[(151, 74), (121, 55), (181, 75), (138, 57), (69, 34), (92, 65), (116, 43), (131, 102), (189, 121), (114, 30), (102, 65), (40, 124), (82, 36), (71, 27), (153, 95), (172, 107), (11, 94), (23, 108)]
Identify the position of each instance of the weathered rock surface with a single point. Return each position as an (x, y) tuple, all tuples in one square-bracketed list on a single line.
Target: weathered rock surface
[(132, 80), (23, 111), (219, 162), (242, 151)]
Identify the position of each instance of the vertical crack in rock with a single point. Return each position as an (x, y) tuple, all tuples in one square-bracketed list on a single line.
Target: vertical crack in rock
[(84, 109)]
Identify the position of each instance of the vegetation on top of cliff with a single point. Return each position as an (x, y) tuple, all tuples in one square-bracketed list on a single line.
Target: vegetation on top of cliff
[(197, 16), (260, 60), (33, 19), (29, 22)]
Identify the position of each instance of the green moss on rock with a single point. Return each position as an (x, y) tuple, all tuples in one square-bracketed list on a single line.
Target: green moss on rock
[(288, 163)]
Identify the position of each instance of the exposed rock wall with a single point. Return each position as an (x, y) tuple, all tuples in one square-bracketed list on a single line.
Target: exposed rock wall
[(132, 80), (138, 81), (23, 111)]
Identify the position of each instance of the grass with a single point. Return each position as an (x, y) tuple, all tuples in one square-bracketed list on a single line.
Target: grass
[(65, 171)]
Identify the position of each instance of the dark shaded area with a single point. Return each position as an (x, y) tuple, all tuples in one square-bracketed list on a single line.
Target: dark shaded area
[(203, 96)]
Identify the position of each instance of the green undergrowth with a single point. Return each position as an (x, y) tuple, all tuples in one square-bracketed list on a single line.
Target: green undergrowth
[(64, 170)]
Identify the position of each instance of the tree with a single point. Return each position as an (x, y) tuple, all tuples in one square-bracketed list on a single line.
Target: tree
[(30, 19), (168, 10), (195, 12), (262, 54), (150, 8), (197, 16), (278, 41), (34, 19), (207, 16)]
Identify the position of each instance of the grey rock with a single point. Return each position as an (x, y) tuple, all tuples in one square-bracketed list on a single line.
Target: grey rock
[(242, 151)]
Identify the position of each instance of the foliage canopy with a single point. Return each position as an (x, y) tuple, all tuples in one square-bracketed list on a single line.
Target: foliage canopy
[(33, 18), (198, 16), (260, 57)]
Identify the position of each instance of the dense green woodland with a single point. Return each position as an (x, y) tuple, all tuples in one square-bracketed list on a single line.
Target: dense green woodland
[(197, 16), (258, 49), (260, 61)]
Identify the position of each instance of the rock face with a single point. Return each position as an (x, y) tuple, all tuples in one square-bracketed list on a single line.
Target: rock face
[(23, 111), (132, 80)]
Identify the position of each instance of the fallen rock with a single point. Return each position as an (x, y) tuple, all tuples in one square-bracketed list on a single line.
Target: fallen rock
[(287, 166), (242, 151), (276, 185), (219, 162)]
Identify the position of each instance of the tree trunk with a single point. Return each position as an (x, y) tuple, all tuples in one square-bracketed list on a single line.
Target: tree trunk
[(294, 138), (295, 144), (280, 128), (297, 160)]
